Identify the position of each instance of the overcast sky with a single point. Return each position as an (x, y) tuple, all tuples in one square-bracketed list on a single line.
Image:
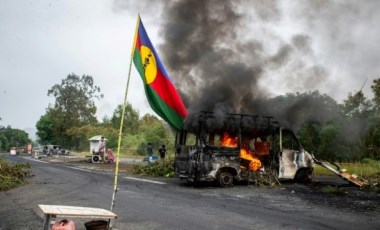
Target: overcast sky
[(330, 46), (43, 41)]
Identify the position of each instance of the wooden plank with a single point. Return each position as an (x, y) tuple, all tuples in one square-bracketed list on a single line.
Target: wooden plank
[(75, 211)]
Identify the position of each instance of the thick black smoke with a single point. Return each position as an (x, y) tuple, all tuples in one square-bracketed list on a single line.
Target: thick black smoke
[(203, 52), (214, 68)]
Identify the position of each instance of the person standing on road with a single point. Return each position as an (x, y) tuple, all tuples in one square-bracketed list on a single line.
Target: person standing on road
[(149, 149), (162, 152), (101, 149)]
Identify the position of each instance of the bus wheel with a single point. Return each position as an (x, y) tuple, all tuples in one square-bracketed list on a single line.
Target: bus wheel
[(225, 179)]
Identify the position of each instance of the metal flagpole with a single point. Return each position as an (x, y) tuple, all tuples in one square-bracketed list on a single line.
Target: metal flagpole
[(122, 122)]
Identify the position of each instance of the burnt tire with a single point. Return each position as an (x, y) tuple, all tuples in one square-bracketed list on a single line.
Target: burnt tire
[(304, 176), (225, 179)]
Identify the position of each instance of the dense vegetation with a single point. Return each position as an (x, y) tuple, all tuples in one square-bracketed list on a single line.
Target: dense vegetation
[(350, 133), (71, 121), (157, 168), (12, 175), (343, 132), (10, 137)]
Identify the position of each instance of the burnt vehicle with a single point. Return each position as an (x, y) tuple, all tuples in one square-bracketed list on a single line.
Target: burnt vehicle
[(229, 147), (50, 150)]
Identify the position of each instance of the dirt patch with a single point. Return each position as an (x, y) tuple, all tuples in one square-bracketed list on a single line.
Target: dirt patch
[(338, 196)]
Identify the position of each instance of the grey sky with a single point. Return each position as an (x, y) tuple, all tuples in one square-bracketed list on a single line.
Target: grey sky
[(42, 42), (331, 46)]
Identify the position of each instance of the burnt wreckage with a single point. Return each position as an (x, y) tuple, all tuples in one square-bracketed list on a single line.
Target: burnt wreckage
[(228, 147)]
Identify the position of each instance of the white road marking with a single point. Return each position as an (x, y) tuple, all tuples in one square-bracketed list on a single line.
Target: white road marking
[(86, 170), (32, 159), (144, 180), (80, 169)]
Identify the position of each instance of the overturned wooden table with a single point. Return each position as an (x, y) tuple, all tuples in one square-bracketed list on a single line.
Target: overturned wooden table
[(54, 211)]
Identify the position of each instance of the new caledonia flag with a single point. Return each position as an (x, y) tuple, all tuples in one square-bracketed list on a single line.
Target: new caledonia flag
[(160, 91)]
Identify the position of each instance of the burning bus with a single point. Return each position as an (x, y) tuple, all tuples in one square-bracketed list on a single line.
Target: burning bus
[(229, 147)]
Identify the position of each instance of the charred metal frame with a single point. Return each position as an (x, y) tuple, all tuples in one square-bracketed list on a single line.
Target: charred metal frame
[(204, 162)]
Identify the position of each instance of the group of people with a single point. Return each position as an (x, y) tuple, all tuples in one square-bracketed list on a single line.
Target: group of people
[(161, 150), (110, 155)]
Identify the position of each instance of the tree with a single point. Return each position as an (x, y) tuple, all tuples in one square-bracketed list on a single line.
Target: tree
[(45, 129), (4, 143), (14, 137), (372, 135), (376, 91), (334, 131), (331, 140), (155, 131), (74, 98), (309, 135), (357, 105), (74, 107), (131, 118), (359, 127), (292, 110)]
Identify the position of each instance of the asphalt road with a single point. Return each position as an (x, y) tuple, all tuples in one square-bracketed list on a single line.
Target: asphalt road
[(170, 204)]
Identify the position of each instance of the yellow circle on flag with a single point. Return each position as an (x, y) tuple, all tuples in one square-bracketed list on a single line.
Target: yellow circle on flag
[(149, 62)]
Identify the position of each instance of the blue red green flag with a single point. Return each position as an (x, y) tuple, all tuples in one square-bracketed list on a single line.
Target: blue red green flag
[(160, 91)]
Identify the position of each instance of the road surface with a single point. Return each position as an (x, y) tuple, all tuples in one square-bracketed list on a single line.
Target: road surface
[(168, 203)]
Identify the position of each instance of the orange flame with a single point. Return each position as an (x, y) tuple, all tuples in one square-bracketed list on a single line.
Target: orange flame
[(227, 141), (255, 163)]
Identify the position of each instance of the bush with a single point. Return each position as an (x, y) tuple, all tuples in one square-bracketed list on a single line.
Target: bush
[(158, 168), (12, 175), (368, 161)]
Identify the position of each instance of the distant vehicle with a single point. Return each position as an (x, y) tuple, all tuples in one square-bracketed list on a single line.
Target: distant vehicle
[(13, 151), (50, 150)]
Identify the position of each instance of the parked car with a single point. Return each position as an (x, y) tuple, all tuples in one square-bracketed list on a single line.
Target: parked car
[(50, 150)]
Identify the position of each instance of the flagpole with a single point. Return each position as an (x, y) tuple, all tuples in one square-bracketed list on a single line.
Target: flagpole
[(115, 188)]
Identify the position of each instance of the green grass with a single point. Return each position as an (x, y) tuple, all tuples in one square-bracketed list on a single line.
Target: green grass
[(365, 170)]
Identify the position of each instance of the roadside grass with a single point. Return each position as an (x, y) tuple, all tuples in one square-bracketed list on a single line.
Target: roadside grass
[(80, 154), (160, 167), (364, 170), (12, 175), (368, 169)]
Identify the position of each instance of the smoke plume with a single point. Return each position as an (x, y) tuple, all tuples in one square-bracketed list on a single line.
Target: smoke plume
[(237, 56), (218, 70)]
